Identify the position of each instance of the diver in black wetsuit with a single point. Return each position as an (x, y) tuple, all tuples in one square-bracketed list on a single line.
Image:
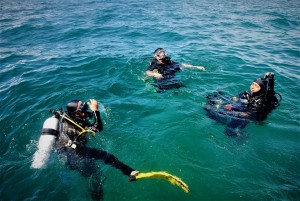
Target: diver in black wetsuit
[(255, 104), (163, 70), (71, 143)]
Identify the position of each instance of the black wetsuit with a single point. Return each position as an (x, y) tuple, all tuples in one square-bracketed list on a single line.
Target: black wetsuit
[(257, 105), (248, 107), (167, 69), (72, 145)]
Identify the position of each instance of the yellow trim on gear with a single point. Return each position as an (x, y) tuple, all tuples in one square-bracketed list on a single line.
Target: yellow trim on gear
[(164, 175)]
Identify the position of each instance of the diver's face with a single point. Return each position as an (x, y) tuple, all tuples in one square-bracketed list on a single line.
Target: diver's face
[(160, 55), (254, 87)]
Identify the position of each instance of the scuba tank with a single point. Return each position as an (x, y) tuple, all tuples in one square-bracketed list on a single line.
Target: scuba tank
[(46, 142)]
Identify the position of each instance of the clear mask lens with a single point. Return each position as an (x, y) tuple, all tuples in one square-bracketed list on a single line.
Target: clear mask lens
[(161, 53)]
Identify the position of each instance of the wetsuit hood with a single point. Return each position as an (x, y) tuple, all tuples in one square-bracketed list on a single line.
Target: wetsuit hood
[(260, 82), (72, 107)]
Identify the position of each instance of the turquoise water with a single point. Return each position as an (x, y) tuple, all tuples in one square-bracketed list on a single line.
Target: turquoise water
[(52, 52)]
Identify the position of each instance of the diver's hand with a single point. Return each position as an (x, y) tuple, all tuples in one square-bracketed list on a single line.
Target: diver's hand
[(235, 99), (200, 68), (93, 104), (157, 75), (154, 74), (228, 107), (243, 114), (191, 66), (133, 174), (268, 74)]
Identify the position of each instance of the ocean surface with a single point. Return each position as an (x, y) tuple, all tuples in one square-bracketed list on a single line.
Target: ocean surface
[(54, 51)]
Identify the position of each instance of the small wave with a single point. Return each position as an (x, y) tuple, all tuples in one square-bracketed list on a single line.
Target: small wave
[(283, 23), (15, 81), (250, 25)]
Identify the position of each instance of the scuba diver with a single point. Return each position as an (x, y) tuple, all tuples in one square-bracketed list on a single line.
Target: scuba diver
[(67, 133), (254, 104), (163, 70)]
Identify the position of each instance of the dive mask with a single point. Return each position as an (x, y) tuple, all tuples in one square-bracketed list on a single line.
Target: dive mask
[(161, 53), (83, 107)]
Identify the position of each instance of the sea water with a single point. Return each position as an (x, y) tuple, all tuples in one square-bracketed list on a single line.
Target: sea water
[(56, 51)]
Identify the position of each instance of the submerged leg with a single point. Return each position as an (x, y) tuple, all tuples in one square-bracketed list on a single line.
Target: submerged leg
[(234, 125), (96, 186), (87, 167)]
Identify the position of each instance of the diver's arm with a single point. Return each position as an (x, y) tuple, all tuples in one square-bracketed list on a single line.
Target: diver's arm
[(191, 66), (110, 159), (239, 103), (97, 126), (270, 76), (116, 163), (232, 111), (98, 123), (243, 97), (154, 74), (152, 70)]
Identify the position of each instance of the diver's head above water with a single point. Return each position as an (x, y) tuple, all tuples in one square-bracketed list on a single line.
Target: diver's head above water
[(257, 87), (160, 54), (77, 108)]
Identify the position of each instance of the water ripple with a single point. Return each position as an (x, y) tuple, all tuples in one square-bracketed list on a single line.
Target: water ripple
[(52, 52)]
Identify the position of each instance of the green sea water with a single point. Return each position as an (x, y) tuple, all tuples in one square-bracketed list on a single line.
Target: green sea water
[(53, 52)]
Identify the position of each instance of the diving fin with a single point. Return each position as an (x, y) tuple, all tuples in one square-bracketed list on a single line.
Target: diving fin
[(162, 175)]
